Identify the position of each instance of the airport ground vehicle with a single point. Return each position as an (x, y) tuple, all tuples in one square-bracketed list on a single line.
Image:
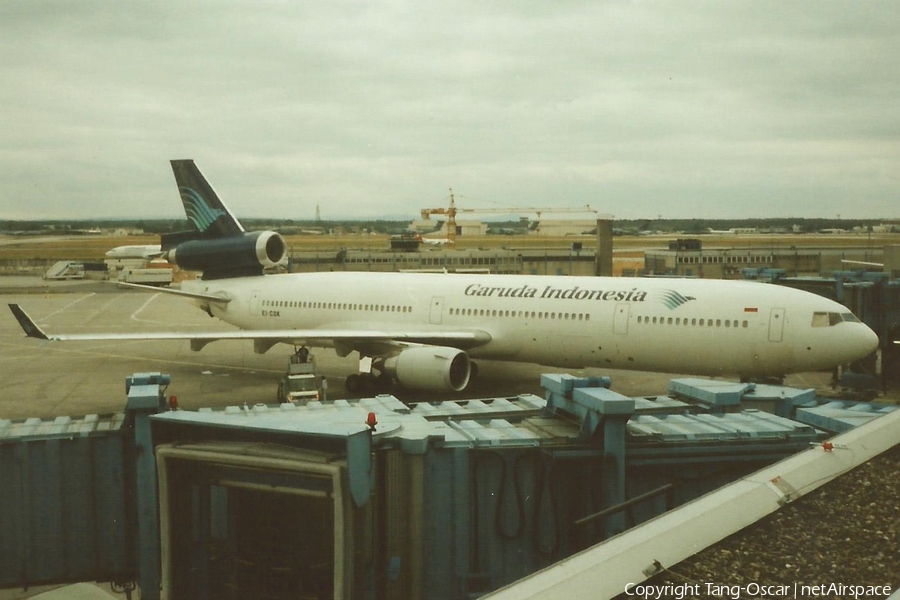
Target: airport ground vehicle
[(300, 383), (148, 276)]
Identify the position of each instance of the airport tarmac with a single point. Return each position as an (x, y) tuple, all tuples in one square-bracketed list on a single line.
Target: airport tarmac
[(48, 379)]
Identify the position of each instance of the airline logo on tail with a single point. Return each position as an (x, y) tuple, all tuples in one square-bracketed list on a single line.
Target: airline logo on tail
[(198, 210), (202, 205)]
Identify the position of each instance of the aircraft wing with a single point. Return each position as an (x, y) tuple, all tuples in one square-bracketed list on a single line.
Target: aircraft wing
[(348, 339)]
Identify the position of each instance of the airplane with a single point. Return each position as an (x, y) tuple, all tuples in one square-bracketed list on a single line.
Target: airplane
[(423, 330), (135, 251), (436, 241), (422, 227)]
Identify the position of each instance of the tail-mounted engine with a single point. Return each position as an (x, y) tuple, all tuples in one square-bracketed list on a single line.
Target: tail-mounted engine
[(235, 256)]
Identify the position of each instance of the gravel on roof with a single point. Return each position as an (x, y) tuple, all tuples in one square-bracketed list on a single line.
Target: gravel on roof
[(847, 531)]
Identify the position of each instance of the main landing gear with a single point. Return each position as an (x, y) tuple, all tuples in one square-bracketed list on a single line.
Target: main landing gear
[(369, 383), (371, 379)]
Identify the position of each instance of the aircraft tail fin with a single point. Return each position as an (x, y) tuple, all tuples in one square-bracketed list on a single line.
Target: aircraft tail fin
[(202, 205)]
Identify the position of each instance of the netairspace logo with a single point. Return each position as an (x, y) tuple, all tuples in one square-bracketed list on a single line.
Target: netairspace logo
[(756, 590)]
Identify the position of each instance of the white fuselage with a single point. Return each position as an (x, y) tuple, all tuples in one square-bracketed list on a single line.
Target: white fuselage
[(134, 251), (691, 326)]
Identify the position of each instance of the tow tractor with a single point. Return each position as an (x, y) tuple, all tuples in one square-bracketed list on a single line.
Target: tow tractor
[(300, 383)]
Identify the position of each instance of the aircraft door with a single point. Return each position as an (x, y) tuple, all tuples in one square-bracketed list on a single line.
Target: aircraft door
[(254, 302), (776, 324), (620, 321), (437, 310)]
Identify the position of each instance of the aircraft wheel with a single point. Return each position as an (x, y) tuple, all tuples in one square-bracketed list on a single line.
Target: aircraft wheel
[(353, 383), (384, 384), (369, 383)]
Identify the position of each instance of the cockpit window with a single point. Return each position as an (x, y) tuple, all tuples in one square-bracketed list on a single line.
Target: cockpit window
[(820, 319), (829, 319)]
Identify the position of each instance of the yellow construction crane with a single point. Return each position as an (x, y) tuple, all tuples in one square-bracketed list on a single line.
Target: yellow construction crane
[(451, 211)]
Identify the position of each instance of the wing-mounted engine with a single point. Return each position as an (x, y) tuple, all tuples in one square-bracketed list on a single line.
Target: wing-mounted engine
[(430, 368), (235, 256)]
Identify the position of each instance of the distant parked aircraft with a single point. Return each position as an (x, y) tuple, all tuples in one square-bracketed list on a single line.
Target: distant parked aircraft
[(136, 251)]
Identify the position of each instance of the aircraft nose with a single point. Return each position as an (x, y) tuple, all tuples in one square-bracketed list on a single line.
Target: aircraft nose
[(865, 341)]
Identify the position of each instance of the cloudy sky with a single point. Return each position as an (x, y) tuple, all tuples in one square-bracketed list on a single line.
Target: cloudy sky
[(367, 109)]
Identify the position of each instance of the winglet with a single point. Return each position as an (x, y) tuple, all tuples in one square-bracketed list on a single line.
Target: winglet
[(27, 324)]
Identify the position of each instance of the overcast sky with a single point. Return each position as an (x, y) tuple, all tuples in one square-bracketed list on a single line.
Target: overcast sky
[(367, 109)]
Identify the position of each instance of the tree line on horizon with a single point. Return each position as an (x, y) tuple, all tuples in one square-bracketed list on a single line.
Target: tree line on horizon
[(289, 226)]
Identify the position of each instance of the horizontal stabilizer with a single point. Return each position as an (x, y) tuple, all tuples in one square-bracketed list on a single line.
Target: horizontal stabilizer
[(175, 292)]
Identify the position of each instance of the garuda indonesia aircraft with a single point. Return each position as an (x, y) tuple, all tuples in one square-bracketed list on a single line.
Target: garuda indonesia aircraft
[(421, 329)]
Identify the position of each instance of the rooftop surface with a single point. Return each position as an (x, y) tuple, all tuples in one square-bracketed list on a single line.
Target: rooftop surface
[(845, 532)]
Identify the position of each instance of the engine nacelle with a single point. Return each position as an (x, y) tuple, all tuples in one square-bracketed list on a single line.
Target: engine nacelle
[(246, 254), (431, 368)]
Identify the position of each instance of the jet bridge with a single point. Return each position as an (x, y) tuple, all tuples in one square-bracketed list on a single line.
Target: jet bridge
[(77, 501), (372, 498), (63, 505)]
